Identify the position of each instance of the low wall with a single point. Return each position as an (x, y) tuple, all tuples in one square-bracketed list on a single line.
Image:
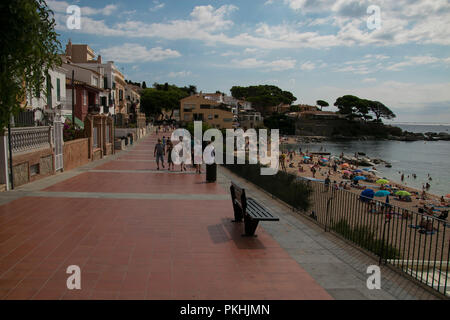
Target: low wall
[(32, 166), (76, 153)]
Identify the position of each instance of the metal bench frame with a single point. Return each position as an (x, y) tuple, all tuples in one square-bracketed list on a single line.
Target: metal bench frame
[(249, 210)]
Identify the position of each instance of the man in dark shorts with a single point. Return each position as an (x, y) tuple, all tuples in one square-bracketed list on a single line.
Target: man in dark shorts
[(169, 154), (159, 153)]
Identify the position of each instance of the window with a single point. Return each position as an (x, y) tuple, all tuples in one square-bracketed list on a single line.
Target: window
[(198, 116), (105, 82), (210, 117), (187, 117), (228, 120), (120, 95), (95, 81), (187, 110), (84, 97), (205, 106), (216, 116), (58, 90)]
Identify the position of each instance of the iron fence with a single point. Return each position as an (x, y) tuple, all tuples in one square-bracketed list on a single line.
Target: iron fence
[(417, 244)]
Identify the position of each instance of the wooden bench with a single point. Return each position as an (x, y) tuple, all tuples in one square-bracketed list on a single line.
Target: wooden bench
[(249, 210)]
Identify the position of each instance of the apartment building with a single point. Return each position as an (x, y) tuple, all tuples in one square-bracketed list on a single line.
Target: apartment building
[(83, 56), (56, 92), (199, 108), (133, 98)]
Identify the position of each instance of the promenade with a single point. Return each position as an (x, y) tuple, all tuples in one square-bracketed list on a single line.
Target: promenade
[(139, 233)]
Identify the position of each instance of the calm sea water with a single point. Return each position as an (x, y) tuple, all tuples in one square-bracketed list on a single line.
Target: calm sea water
[(419, 157)]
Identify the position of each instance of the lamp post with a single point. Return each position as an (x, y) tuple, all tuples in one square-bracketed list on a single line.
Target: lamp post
[(73, 100)]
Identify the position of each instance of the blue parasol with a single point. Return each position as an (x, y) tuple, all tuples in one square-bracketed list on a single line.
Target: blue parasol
[(367, 195), (382, 193)]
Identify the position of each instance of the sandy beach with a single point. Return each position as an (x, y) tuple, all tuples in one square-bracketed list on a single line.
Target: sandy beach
[(336, 177)]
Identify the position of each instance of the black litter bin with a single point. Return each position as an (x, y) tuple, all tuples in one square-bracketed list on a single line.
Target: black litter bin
[(211, 172)]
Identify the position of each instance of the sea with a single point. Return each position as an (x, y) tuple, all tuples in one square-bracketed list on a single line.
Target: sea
[(424, 158)]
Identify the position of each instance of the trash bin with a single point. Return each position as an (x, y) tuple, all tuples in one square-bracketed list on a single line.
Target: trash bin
[(211, 172)]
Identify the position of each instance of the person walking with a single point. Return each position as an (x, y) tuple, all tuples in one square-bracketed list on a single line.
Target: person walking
[(182, 162), (159, 154), (169, 155)]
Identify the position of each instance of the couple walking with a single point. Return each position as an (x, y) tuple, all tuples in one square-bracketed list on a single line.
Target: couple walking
[(161, 148)]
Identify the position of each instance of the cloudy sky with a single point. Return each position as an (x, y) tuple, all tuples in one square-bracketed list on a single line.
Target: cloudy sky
[(317, 49)]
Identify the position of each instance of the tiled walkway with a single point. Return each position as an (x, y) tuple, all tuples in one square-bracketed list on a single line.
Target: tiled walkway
[(137, 233)]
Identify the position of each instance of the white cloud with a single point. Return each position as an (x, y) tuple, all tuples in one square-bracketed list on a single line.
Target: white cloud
[(132, 53), (369, 80), (61, 7), (157, 6), (180, 74), (371, 63), (229, 53), (250, 50), (414, 61), (403, 22), (308, 66), (276, 65)]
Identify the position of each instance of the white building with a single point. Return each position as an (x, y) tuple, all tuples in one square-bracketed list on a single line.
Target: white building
[(53, 98)]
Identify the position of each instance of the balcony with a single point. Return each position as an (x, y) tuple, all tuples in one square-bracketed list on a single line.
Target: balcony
[(95, 109)]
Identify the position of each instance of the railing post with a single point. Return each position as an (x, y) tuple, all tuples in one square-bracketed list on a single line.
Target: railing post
[(329, 202), (386, 221)]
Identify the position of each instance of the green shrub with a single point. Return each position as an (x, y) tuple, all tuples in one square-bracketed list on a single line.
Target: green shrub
[(365, 238), (283, 185)]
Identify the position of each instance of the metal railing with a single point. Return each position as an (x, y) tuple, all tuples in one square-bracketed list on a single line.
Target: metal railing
[(24, 118), (415, 244), (25, 139)]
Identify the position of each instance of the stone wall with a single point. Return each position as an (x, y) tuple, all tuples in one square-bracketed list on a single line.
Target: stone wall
[(313, 127), (76, 153), (32, 166), (97, 154)]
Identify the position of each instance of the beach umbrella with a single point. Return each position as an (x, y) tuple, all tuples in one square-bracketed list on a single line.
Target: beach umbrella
[(345, 165), (366, 169), (357, 170), (448, 196), (347, 172), (382, 181), (402, 193), (306, 157), (367, 194), (382, 193), (357, 178)]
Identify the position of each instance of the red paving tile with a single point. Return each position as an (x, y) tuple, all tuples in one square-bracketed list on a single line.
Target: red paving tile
[(117, 182), (140, 249), (125, 165)]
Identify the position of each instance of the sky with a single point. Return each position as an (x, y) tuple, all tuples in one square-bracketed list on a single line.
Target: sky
[(397, 52)]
